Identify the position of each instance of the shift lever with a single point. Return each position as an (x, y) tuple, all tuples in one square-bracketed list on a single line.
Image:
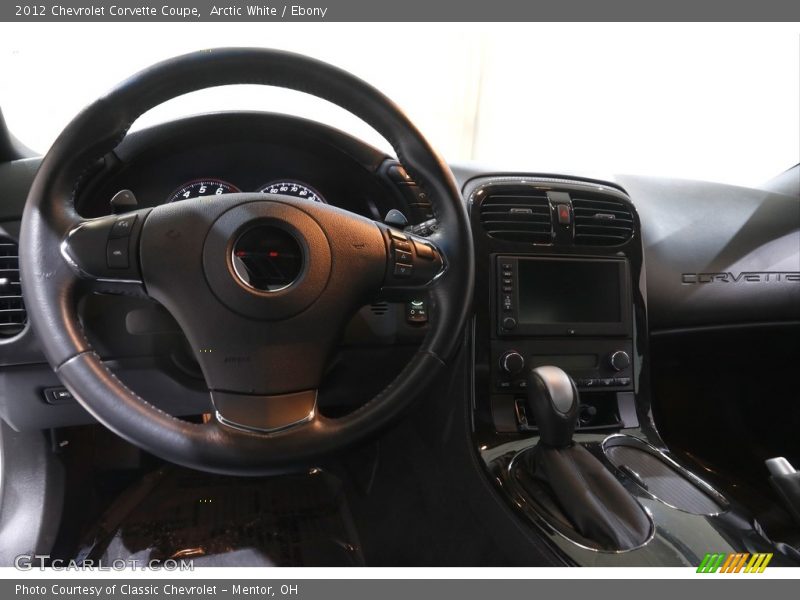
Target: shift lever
[(553, 400), (583, 490)]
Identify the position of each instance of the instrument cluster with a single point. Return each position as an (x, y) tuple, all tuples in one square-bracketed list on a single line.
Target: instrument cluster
[(217, 187)]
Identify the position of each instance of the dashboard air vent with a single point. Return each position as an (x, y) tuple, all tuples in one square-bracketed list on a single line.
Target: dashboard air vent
[(601, 220), (12, 309), (518, 217), (379, 308)]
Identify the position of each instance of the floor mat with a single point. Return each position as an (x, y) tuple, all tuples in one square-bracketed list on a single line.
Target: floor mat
[(289, 520)]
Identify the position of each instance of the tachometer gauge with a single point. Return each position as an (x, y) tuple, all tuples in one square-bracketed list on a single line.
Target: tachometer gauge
[(202, 187), (292, 188)]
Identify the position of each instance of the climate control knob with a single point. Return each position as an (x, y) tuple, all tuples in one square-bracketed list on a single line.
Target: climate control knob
[(512, 362), (620, 360)]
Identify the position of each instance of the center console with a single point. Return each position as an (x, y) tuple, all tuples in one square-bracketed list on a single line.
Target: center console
[(562, 261), (560, 297)]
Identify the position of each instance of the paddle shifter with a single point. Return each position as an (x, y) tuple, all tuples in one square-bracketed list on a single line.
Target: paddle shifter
[(584, 491)]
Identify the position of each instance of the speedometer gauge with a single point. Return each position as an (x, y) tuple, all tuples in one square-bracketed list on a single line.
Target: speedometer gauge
[(292, 188), (202, 187)]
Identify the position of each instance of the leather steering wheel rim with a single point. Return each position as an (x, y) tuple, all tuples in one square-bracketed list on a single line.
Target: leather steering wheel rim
[(52, 288)]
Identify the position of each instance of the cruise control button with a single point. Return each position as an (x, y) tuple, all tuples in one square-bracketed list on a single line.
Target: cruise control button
[(117, 253), (403, 257), (424, 250), (400, 245), (123, 226), (397, 235), (401, 270)]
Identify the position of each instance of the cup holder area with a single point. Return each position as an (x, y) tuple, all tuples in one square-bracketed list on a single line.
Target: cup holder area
[(661, 477)]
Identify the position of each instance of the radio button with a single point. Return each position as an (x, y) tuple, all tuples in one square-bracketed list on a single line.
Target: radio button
[(509, 323), (620, 360), (512, 362)]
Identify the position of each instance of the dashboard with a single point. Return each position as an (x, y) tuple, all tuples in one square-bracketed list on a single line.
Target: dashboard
[(656, 232)]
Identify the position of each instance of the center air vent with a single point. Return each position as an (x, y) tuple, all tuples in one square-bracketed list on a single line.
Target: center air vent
[(601, 220), (518, 217), (12, 309)]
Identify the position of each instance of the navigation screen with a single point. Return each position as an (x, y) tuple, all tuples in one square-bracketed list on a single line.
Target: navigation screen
[(566, 291)]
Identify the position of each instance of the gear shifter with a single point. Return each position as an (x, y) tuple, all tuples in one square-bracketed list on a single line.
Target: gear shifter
[(553, 400), (580, 488)]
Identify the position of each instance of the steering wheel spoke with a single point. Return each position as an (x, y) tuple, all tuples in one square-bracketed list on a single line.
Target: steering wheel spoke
[(104, 252), (264, 413)]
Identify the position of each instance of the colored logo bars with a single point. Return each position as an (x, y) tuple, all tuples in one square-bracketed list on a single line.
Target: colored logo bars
[(734, 563)]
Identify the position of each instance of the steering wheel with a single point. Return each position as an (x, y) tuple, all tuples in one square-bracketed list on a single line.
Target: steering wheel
[(261, 285)]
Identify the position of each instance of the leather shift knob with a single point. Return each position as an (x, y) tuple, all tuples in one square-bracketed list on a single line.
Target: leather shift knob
[(553, 400)]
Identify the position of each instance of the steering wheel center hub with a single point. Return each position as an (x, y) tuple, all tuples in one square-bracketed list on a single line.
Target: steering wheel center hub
[(267, 258)]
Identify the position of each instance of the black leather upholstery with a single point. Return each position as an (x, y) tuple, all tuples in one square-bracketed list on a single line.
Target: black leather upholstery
[(52, 289), (591, 498)]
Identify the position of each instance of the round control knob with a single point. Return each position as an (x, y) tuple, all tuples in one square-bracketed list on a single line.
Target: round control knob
[(620, 360), (509, 323), (512, 362)]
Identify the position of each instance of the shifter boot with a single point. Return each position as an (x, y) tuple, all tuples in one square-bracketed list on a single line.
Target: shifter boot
[(596, 504)]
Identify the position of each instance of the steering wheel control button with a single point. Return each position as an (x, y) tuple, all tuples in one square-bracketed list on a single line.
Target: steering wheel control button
[(401, 256), (398, 174), (424, 251), (411, 261), (267, 258), (123, 226), (401, 270), (117, 253)]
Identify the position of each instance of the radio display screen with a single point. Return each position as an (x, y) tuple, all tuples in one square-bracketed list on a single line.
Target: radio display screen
[(569, 291)]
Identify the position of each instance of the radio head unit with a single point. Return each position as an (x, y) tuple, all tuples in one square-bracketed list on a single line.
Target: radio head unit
[(562, 296)]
